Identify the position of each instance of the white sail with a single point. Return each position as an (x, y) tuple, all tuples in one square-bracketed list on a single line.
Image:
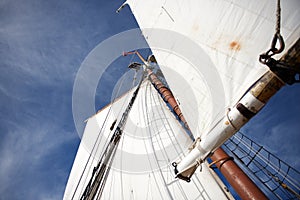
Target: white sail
[(208, 50), (151, 140)]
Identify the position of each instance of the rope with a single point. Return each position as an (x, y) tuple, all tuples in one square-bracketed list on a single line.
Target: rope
[(106, 117), (278, 15), (110, 150), (96, 141), (152, 144), (219, 160), (267, 168), (265, 58), (271, 164), (177, 147), (114, 99)]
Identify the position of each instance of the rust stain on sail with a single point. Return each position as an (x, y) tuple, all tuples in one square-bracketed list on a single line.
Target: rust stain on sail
[(235, 46)]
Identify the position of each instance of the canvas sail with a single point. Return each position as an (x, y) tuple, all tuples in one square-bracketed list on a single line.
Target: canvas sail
[(141, 168), (208, 52), (213, 46)]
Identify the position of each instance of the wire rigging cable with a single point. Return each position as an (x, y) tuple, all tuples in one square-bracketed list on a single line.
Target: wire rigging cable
[(101, 171), (155, 155), (95, 147), (275, 175), (163, 159), (97, 141)]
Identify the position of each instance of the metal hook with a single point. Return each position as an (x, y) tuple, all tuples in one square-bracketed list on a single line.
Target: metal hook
[(277, 38)]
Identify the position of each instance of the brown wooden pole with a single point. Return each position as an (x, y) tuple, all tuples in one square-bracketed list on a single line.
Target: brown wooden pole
[(167, 96), (236, 177)]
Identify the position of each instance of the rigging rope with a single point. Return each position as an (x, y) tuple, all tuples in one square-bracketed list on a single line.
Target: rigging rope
[(111, 128), (151, 98), (277, 38), (104, 166), (277, 176), (278, 17), (95, 148), (163, 158)]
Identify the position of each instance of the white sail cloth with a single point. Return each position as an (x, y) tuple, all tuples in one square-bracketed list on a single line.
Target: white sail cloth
[(141, 169), (208, 50)]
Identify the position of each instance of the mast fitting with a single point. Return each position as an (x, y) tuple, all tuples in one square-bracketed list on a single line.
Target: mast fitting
[(282, 69), (222, 160)]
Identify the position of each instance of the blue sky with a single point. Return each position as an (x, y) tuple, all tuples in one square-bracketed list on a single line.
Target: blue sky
[(42, 45)]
